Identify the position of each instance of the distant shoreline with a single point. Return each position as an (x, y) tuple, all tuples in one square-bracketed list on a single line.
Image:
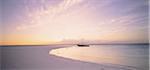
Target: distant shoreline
[(76, 44)]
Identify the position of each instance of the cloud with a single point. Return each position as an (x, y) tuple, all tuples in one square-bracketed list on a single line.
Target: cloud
[(72, 20), (43, 15)]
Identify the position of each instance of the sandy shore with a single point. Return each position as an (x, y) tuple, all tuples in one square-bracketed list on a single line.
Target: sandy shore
[(38, 58)]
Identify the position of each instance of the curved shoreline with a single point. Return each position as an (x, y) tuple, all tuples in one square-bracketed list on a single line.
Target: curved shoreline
[(103, 66), (37, 58)]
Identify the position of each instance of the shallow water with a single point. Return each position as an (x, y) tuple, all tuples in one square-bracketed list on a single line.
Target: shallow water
[(38, 57), (128, 55)]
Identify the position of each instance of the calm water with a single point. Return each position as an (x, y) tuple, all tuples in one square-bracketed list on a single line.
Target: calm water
[(24, 57), (129, 55)]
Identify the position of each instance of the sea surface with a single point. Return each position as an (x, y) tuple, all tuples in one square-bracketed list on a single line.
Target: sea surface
[(20, 57)]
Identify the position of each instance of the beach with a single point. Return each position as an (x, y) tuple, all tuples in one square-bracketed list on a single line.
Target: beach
[(38, 58), (74, 35)]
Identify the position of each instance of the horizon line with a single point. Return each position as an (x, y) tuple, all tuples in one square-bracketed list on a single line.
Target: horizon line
[(76, 44)]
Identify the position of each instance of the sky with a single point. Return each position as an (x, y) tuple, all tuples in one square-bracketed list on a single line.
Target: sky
[(57, 21)]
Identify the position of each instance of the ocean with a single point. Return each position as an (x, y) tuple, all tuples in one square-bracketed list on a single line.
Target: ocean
[(39, 57)]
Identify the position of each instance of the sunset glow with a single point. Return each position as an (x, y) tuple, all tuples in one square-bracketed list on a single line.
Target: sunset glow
[(55, 21)]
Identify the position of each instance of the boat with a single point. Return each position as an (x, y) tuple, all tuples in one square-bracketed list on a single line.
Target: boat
[(82, 45)]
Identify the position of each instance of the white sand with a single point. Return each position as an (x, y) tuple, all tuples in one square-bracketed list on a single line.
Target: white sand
[(74, 53)]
